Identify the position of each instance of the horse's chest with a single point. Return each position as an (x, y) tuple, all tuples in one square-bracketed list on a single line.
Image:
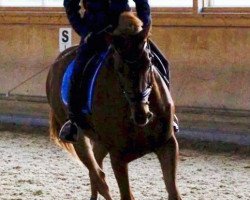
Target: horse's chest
[(135, 142)]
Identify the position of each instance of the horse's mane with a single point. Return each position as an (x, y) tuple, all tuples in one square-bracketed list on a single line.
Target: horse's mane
[(128, 24)]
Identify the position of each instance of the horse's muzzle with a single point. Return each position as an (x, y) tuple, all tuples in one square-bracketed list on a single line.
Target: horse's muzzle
[(143, 119)]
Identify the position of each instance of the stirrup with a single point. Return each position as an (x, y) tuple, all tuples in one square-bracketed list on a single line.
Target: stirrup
[(176, 127), (69, 132)]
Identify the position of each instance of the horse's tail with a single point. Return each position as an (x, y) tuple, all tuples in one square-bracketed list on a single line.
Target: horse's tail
[(54, 129)]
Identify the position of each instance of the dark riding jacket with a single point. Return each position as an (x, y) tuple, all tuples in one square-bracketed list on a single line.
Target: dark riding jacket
[(100, 13)]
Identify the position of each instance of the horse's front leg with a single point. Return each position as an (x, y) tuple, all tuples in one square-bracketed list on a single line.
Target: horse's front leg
[(120, 169), (85, 153), (167, 156), (99, 152)]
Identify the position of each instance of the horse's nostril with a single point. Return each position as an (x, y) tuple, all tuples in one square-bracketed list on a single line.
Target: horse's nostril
[(150, 116), (140, 117), (143, 119)]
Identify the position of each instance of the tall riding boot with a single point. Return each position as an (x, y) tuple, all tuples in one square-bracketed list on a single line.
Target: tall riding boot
[(176, 124), (77, 119), (69, 132)]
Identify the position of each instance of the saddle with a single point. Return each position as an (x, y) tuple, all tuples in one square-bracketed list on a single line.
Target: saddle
[(90, 77), (160, 61), (93, 69)]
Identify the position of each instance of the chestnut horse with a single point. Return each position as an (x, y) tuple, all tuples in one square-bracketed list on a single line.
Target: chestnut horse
[(133, 112)]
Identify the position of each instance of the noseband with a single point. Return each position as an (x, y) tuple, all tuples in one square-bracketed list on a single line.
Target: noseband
[(141, 97)]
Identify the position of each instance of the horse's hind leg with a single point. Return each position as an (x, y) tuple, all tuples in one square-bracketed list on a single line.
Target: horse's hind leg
[(167, 156), (100, 152), (120, 169)]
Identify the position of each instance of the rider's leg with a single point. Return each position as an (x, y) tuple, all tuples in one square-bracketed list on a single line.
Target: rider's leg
[(163, 66), (68, 132)]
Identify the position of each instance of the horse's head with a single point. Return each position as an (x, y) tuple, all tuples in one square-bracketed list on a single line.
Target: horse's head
[(133, 66)]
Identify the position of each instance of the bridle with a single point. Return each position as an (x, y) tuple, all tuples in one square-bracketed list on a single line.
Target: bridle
[(143, 96)]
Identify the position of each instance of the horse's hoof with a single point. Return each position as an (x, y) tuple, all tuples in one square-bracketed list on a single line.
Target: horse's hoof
[(93, 198)]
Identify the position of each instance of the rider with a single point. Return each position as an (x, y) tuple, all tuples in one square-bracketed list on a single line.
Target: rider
[(98, 15)]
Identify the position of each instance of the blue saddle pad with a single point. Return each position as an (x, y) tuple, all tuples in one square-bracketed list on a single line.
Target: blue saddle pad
[(95, 68)]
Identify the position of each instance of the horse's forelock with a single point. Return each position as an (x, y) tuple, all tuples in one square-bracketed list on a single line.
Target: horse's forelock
[(129, 24)]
